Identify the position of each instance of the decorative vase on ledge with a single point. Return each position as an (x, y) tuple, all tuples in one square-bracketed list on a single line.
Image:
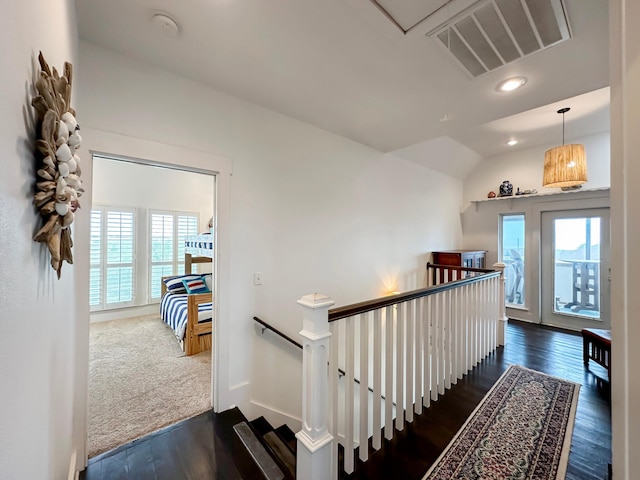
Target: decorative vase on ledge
[(506, 189)]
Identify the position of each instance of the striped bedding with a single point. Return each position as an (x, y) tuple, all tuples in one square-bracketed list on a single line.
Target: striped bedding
[(173, 311)]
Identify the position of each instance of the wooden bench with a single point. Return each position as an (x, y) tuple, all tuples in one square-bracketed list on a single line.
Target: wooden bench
[(597, 347)]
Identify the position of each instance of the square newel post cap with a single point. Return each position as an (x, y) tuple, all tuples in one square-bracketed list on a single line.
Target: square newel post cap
[(315, 316), (316, 300)]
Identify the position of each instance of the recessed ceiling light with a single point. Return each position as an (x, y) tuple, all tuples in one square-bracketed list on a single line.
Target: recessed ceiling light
[(511, 84), (512, 142)]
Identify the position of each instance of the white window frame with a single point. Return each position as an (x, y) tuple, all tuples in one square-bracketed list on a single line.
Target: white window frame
[(103, 265), (176, 261)]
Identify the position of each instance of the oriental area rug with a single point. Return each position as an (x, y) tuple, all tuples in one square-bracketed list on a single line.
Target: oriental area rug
[(520, 430)]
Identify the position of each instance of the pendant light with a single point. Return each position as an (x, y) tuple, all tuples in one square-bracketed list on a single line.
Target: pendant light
[(565, 166)]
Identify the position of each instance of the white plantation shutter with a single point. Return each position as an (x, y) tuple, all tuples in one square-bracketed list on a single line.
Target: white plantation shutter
[(168, 231), (120, 248), (112, 254), (95, 259), (161, 249)]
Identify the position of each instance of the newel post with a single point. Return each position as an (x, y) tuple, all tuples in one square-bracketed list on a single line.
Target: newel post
[(314, 440), (502, 311)]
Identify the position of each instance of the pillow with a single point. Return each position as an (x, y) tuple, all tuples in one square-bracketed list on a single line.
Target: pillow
[(195, 285), (175, 285), (208, 279)]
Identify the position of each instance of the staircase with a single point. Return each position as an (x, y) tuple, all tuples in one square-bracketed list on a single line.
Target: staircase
[(273, 450)]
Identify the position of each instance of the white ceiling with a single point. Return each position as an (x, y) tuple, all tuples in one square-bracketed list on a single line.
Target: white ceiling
[(343, 66)]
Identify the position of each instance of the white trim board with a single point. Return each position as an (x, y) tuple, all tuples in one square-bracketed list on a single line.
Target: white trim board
[(159, 154)]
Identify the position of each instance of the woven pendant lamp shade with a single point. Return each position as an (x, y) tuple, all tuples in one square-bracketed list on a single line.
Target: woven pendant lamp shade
[(565, 166)]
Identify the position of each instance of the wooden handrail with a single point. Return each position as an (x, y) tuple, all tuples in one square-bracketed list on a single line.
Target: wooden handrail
[(277, 332), (369, 305)]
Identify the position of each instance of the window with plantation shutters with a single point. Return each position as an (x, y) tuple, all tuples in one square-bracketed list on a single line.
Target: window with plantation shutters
[(95, 260), (112, 255), (167, 234)]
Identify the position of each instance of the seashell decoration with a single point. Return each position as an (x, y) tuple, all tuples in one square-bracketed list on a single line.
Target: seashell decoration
[(58, 184)]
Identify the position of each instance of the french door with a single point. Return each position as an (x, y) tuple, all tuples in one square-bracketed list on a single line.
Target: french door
[(575, 269)]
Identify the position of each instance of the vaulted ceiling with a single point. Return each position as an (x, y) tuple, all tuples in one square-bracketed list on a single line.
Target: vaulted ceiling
[(367, 70)]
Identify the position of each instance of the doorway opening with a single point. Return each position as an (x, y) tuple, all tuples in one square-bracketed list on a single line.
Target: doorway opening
[(140, 378)]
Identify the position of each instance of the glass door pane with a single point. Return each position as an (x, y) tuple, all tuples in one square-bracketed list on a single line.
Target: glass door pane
[(577, 266), (512, 255)]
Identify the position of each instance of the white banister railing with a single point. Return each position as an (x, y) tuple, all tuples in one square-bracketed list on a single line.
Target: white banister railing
[(398, 353)]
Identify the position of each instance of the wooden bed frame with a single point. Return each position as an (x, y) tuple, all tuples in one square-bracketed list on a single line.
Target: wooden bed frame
[(197, 336)]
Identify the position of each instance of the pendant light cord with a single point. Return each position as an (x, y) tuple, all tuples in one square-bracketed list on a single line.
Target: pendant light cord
[(563, 111)]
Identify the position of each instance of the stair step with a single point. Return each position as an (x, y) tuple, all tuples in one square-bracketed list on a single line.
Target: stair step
[(260, 455), (282, 451), (261, 426), (288, 437)]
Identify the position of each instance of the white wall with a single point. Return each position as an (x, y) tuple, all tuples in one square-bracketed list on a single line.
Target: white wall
[(310, 210), (125, 184), (40, 356), (625, 233), (523, 168)]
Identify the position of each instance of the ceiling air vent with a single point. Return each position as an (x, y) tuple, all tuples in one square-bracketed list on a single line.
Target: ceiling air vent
[(496, 32)]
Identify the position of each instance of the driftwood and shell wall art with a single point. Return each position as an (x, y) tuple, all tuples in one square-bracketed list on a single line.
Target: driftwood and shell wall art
[(58, 184)]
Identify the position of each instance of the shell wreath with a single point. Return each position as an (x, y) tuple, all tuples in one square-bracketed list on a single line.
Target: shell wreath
[(59, 186)]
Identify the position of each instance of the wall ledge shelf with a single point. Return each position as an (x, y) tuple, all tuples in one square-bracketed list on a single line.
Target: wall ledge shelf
[(553, 193)]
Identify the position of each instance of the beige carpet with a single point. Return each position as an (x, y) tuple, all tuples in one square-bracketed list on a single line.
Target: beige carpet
[(140, 381)]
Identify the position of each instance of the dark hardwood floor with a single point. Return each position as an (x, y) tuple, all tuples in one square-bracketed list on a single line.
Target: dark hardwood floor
[(206, 447), (202, 447)]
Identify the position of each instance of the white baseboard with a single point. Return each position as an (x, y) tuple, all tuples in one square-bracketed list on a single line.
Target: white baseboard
[(122, 313), (73, 473), (253, 409), (239, 394)]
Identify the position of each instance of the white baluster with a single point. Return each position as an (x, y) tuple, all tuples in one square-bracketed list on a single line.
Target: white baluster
[(419, 375), (364, 387), (400, 323), (410, 310), (426, 342), (435, 347), (455, 335), (474, 325), (334, 382), (388, 374), (497, 309), (447, 339), (481, 352), (467, 330), (442, 354), (377, 383), (349, 366), (314, 440)]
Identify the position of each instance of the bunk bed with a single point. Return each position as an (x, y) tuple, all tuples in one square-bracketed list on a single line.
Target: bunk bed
[(190, 315)]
